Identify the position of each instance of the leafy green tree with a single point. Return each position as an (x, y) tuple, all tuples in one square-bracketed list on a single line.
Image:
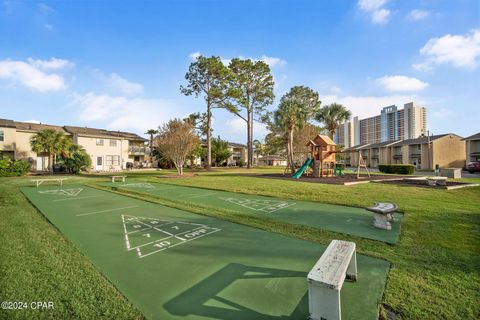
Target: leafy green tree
[(331, 116), (75, 159), (51, 142), (251, 91), (296, 108), (209, 78), (220, 151)]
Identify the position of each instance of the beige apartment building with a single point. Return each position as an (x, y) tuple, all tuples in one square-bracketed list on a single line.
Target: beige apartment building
[(239, 153), (109, 150), (473, 147), (445, 150)]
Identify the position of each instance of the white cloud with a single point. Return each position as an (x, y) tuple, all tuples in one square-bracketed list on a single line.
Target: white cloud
[(461, 51), (367, 106), (417, 14), (375, 8), (32, 121), (399, 83), (272, 62), (122, 84), (195, 55), (32, 74), (123, 113), (52, 64), (381, 16), (237, 126)]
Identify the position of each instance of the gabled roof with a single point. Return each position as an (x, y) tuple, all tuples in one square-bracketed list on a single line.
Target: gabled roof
[(423, 139), (382, 144), (321, 138), (236, 145), (476, 136), (5, 123), (28, 126), (103, 133), (357, 147)]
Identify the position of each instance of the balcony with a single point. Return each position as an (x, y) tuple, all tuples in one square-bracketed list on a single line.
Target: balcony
[(138, 150)]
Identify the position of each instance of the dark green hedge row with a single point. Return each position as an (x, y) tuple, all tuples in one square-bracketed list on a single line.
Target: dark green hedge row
[(11, 168), (397, 168)]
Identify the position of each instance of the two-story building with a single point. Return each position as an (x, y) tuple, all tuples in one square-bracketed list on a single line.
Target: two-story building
[(109, 150), (445, 150), (473, 147)]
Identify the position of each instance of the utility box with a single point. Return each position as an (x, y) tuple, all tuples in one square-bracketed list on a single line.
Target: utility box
[(326, 278), (454, 173)]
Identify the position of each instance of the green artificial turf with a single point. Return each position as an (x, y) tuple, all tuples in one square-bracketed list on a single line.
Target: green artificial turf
[(341, 219), (227, 271)]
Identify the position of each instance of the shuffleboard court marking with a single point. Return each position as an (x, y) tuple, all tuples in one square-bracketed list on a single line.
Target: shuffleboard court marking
[(143, 185), (260, 205), (73, 192), (152, 239), (203, 195), (102, 211), (78, 198)]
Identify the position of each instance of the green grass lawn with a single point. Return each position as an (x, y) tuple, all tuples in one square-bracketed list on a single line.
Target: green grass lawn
[(435, 271)]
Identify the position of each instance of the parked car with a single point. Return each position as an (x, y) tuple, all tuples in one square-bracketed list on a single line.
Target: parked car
[(473, 166)]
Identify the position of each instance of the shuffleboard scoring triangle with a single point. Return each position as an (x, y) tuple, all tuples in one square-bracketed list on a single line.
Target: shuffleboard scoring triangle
[(264, 205), (71, 192), (149, 235)]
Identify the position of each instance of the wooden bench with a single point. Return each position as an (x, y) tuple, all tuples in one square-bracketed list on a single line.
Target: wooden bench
[(40, 181), (326, 279), (114, 177), (383, 214), (437, 181)]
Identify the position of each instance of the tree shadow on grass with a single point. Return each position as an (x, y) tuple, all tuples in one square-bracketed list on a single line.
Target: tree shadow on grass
[(204, 298)]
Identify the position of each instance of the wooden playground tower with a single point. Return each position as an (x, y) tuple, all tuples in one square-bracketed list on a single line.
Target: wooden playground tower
[(323, 154)]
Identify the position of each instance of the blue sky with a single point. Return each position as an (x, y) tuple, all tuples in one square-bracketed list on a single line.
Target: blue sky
[(119, 64)]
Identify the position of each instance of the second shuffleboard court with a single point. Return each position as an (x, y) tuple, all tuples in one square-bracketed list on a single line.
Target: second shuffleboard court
[(342, 219), (196, 267)]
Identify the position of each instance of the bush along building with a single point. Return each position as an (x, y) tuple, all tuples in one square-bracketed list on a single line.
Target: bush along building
[(108, 150)]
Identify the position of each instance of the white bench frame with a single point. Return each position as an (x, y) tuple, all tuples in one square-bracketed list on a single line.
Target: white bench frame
[(326, 278), (114, 177), (40, 181)]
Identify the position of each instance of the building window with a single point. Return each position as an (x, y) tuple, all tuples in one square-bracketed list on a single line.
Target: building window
[(112, 160), (113, 143), (2, 135), (99, 142), (99, 161)]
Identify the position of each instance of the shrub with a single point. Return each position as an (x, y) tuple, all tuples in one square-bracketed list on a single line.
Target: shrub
[(241, 163), (11, 168), (397, 168)]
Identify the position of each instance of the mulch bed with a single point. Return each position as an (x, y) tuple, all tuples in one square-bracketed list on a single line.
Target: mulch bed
[(348, 177), (420, 183), (185, 175)]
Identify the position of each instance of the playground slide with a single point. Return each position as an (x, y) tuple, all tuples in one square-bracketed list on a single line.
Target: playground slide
[(300, 171)]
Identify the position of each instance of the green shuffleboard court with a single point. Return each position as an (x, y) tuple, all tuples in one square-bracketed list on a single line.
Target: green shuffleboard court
[(174, 264), (342, 219)]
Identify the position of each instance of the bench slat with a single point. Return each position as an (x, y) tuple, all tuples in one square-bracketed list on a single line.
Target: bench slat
[(331, 268)]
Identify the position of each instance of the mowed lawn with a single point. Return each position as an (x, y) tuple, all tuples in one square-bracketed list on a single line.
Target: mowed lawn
[(435, 270)]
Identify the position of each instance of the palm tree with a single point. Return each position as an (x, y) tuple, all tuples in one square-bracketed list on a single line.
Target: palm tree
[(50, 142), (331, 116), (296, 108), (151, 132)]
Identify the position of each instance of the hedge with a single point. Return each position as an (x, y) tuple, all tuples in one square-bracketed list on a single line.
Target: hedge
[(397, 168), (11, 168)]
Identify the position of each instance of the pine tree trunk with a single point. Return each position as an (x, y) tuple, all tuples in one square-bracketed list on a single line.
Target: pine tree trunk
[(249, 139), (290, 151), (209, 136)]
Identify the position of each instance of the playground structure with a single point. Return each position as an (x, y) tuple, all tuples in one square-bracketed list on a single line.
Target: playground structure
[(323, 159)]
